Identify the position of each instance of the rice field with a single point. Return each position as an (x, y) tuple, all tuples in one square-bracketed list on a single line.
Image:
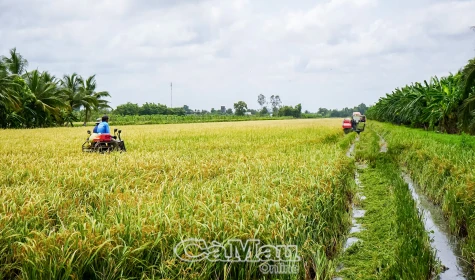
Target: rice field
[(66, 214), (443, 167)]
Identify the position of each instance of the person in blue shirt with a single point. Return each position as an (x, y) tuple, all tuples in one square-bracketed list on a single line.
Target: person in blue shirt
[(98, 121), (94, 134), (103, 127)]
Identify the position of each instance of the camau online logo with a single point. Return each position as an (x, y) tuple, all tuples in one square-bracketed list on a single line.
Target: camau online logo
[(274, 259)]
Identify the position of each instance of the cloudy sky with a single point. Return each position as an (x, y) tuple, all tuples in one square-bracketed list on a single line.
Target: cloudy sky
[(321, 53)]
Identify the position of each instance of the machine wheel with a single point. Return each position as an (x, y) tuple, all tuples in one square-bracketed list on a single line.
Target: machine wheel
[(347, 130), (122, 146), (102, 147)]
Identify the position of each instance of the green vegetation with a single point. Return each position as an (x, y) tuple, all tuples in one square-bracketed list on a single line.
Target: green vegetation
[(68, 215), (343, 113), (130, 109), (290, 111), (167, 119), (393, 243), (38, 99), (442, 165), (240, 108), (274, 104), (446, 104)]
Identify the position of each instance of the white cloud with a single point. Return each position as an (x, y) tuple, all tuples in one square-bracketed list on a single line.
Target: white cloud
[(218, 52)]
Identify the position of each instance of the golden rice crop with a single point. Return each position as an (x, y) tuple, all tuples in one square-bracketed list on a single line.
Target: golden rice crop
[(68, 214)]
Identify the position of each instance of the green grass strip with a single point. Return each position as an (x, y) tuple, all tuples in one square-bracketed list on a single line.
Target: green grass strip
[(442, 165), (393, 243)]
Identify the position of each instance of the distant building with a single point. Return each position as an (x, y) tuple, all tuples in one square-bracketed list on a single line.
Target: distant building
[(248, 114), (223, 109)]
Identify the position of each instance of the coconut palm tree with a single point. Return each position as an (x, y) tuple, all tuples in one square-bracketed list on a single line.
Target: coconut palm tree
[(76, 97), (47, 99), (29, 99), (8, 96), (15, 64), (88, 89), (70, 87)]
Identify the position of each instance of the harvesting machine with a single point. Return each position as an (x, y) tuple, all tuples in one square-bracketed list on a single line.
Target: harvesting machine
[(102, 143), (356, 123)]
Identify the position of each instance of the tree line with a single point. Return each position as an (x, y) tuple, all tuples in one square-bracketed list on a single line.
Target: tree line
[(150, 108), (30, 99), (343, 113), (240, 109), (273, 107), (446, 104), (131, 109)]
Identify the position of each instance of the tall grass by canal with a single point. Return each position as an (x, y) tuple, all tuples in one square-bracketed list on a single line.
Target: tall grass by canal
[(442, 165)]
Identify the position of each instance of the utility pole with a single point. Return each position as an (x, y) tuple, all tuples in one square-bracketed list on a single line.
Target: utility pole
[(171, 95)]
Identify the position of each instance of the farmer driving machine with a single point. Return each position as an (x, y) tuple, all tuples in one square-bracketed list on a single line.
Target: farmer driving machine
[(102, 143), (356, 123)]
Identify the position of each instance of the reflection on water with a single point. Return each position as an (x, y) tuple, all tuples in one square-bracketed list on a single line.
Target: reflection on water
[(443, 242), (350, 241)]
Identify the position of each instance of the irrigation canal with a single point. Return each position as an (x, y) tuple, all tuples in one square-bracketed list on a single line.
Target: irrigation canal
[(445, 245)]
